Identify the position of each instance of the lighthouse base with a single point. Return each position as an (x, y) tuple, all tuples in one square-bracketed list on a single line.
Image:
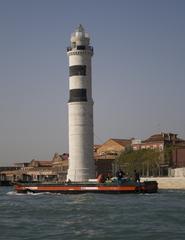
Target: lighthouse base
[(80, 175)]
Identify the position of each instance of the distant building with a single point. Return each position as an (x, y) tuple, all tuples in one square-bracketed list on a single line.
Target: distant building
[(157, 141), (6, 173), (60, 165), (38, 170), (179, 156), (106, 154), (104, 157), (160, 142)]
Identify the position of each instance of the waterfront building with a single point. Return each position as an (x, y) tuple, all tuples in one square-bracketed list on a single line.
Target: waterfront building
[(104, 160), (106, 154), (157, 141), (38, 170), (164, 142)]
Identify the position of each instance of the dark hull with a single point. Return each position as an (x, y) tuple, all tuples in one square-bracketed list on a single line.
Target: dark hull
[(79, 188), (6, 183)]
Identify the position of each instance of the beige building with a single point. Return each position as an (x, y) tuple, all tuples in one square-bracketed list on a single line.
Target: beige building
[(39, 170), (106, 154)]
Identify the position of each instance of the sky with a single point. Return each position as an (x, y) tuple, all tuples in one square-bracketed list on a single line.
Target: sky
[(138, 72)]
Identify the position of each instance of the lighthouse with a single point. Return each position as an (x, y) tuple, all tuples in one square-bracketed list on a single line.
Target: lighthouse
[(80, 108)]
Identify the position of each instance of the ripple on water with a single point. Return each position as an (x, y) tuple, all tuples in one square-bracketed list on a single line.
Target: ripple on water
[(92, 216)]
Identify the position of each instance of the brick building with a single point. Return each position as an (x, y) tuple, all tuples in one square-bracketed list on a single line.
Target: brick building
[(179, 156), (160, 142)]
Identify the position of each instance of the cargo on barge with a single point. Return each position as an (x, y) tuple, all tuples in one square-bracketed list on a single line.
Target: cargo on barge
[(88, 187)]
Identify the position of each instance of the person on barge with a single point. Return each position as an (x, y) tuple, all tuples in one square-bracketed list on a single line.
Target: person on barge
[(136, 176), (120, 175)]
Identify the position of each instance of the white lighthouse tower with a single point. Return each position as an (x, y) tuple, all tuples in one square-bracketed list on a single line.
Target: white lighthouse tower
[(80, 107)]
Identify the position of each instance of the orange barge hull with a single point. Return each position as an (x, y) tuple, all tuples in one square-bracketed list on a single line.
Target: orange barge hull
[(145, 187)]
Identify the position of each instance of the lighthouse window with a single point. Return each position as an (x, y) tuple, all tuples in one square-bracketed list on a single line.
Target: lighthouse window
[(80, 47), (77, 70), (78, 95)]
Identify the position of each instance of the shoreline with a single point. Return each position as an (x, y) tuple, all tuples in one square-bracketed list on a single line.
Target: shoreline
[(168, 182), (163, 182)]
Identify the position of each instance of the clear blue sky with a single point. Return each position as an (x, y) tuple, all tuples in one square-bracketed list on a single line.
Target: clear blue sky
[(138, 71)]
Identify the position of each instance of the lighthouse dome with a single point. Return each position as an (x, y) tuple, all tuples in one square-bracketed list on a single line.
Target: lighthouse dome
[(80, 36)]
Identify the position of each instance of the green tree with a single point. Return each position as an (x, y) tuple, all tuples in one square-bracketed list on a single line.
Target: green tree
[(146, 161)]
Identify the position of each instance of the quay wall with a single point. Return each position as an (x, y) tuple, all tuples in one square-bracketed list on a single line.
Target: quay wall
[(168, 182)]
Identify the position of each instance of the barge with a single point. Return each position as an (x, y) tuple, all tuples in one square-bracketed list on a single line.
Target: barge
[(89, 187)]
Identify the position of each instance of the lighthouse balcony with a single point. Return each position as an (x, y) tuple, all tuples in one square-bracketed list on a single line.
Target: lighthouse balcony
[(80, 47)]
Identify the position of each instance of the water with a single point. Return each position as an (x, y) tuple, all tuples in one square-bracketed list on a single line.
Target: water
[(92, 216)]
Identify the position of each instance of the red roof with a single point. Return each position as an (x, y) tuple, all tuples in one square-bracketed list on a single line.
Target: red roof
[(154, 138), (161, 137)]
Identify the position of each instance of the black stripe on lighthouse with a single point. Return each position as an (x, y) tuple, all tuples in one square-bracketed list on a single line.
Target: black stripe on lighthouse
[(78, 95), (77, 70)]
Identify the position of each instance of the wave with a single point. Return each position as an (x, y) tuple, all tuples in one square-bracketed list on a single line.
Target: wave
[(14, 193)]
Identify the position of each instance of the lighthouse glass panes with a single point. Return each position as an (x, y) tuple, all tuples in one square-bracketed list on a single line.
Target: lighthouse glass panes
[(80, 108)]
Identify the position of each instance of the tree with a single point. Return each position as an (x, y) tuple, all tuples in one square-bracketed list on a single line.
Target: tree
[(146, 161)]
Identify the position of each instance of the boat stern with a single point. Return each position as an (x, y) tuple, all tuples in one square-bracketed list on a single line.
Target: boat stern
[(150, 187)]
